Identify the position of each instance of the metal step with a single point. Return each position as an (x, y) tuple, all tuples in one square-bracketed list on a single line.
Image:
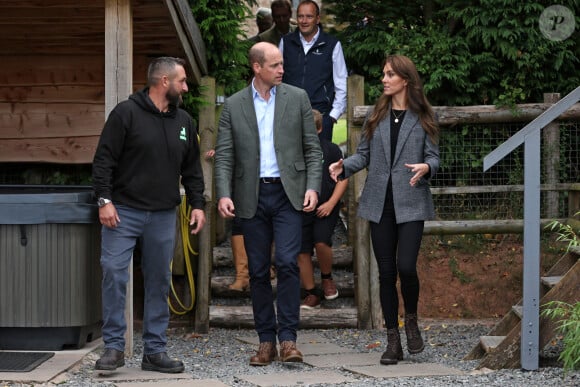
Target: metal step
[(518, 310), (551, 281), (489, 343)]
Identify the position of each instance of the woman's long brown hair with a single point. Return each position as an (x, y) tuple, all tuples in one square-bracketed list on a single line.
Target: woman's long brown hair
[(416, 100)]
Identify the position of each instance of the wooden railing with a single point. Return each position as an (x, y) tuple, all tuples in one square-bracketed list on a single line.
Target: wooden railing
[(496, 226)]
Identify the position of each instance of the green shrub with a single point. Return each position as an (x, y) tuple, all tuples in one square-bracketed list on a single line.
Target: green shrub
[(567, 315), (568, 320), (566, 232)]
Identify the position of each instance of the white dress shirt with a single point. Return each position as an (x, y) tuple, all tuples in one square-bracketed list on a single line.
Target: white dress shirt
[(265, 117)]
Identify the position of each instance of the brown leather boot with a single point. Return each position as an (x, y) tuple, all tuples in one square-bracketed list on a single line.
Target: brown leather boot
[(289, 352), (415, 342), (394, 351), (242, 281), (266, 354)]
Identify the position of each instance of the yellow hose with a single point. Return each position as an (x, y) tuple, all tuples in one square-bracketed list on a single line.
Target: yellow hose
[(188, 251)]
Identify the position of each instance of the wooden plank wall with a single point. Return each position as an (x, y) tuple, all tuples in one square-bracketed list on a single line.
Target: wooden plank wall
[(52, 108)]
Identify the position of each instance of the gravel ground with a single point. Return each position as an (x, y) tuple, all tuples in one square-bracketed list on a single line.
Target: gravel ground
[(219, 355)]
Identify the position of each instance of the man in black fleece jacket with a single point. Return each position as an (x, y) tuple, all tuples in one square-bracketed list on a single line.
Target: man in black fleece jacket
[(147, 144)]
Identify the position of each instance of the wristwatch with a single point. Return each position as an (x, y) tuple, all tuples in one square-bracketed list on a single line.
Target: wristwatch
[(103, 202)]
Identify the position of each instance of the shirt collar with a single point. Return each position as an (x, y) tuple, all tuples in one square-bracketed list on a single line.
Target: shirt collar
[(255, 93), (314, 39)]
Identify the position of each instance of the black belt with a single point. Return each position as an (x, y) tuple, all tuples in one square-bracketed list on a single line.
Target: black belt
[(270, 180)]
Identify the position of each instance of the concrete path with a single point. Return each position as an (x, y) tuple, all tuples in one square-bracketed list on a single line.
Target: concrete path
[(324, 357)]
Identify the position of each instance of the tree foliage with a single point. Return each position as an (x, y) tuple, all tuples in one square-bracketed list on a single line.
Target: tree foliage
[(468, 52), (220, 23)]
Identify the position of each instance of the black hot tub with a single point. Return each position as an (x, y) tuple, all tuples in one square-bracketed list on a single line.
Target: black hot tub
[(50, 276)]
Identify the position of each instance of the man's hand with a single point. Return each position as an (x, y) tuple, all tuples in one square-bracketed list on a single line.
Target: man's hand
[(226, 208), (197, 220), (108, 216), (310, 200)]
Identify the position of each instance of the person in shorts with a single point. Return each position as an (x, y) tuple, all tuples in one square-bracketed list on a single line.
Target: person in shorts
[(318, 227)]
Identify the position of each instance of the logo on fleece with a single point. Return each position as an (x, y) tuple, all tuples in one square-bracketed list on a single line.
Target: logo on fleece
[(183, 134)]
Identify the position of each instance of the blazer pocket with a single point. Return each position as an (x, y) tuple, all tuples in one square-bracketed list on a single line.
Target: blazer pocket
[(300, 166)]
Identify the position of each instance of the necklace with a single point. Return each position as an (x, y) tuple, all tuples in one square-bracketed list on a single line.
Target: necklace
[(397, 116)]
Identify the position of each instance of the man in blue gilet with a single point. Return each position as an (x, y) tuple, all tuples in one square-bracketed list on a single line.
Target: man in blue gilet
[(314, 61)]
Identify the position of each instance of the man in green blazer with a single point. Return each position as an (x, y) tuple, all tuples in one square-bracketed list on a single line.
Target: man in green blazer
[(268, 169)]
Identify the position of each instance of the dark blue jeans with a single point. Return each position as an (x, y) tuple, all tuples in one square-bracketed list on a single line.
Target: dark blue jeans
[(275, 221), (157, 231)]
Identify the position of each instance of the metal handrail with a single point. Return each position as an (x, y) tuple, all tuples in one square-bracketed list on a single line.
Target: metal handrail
[(530, 136)]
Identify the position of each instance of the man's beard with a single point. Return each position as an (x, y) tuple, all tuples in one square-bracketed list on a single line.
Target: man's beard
[(174, 97)]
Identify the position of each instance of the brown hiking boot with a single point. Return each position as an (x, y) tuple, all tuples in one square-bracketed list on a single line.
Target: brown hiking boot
[(394, 351), (289, 352), (242, 281), (266, 354), (415, 342)]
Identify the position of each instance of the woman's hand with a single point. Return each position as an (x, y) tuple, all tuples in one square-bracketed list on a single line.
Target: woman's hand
[(419, 171), (335, 170)]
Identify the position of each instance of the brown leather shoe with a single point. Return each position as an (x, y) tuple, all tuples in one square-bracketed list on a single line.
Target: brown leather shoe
[(312, 301), (329, 289), (266, 354), (289, 352)]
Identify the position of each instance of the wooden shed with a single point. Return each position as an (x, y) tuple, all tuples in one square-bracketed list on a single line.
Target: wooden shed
[(66, 64)]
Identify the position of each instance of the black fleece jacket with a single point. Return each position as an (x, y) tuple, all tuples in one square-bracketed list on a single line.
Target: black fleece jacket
[(143, 152)]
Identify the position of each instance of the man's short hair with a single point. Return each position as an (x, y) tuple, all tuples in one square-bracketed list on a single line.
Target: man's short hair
[(256, 55), (263, 12), (310, 2), (281, 4), (164, 65)]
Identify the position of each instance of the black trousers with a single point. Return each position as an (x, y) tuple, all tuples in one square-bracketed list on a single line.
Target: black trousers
[(396, 247)]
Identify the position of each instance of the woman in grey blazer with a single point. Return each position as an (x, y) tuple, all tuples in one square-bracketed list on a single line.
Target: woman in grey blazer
[(399, 147)]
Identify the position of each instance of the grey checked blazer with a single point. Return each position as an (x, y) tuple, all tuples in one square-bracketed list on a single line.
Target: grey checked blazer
[(296, 143), (413, 146)]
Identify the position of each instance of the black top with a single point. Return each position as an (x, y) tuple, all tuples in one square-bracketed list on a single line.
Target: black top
[(142, 154), (331, 154), (399, 115)]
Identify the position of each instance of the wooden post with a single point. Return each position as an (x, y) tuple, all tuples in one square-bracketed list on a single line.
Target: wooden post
[(362, 253), (207, 131), (118, 52), (355, 97), (118, 86), (359, 234), (574, 201), (377, 319), (551, 158)]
